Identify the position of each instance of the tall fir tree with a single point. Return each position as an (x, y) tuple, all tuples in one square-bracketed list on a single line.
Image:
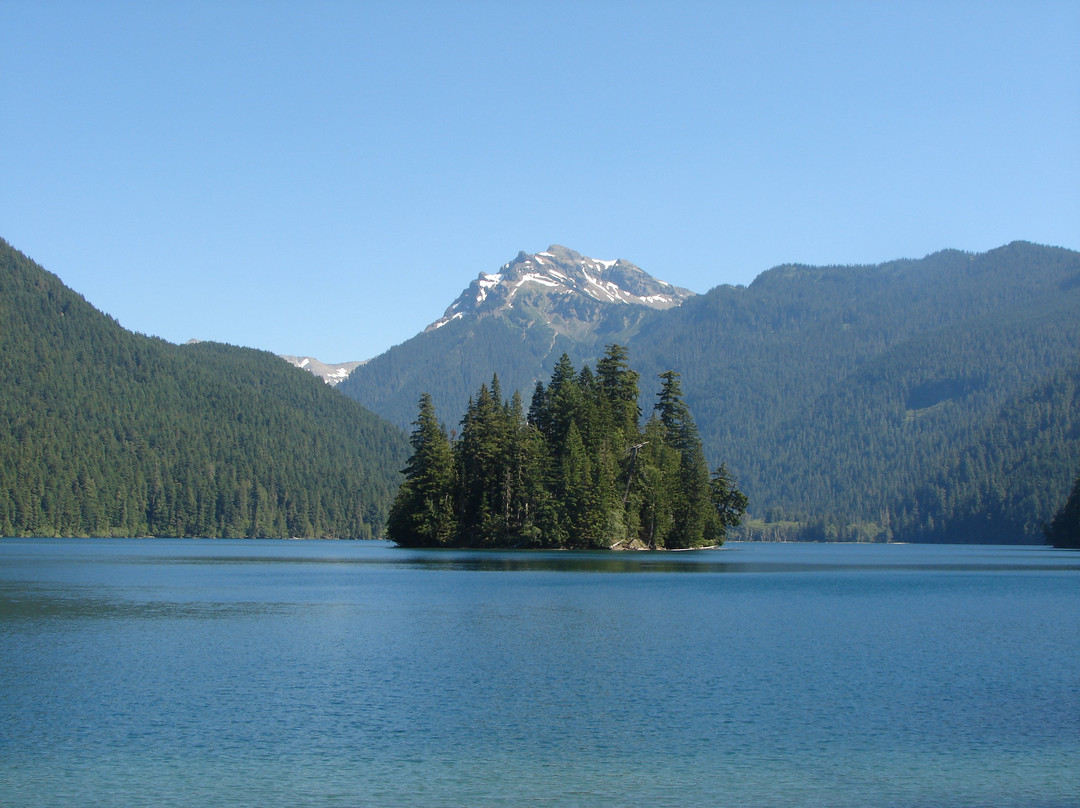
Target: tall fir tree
[(1064, 530), (692, 497), (619, 386), (423, 513), (729, 503)]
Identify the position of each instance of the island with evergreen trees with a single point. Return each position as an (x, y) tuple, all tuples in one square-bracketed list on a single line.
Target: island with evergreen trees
[(575, 471)]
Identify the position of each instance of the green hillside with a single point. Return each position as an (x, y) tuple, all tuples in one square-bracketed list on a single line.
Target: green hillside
[(1009, 478), (845, 396), (106, 432)]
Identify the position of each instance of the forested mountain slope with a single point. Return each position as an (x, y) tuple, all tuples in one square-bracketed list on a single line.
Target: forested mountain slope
[(1010, 478), (843, 395), (106, 432)]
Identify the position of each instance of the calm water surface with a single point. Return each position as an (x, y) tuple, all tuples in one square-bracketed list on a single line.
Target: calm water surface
[(203, 672)]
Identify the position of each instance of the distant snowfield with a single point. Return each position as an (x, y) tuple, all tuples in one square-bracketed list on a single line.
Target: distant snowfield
[(332, 374)]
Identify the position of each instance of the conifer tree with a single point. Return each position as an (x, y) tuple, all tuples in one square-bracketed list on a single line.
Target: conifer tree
[(675, 415), (484, 456), (1064, 530), (575, 489), (538, 409), (729, 503), (562, 401), (656, 483), (422, 513), (691, 497), (619, 386)]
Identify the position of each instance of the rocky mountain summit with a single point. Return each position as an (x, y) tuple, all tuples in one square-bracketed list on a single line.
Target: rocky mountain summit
[(561, 288)]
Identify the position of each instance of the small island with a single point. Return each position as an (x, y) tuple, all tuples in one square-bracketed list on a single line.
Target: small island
[(576, 471)]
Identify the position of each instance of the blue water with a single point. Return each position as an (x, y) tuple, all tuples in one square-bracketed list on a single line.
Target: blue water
[(211, 672)]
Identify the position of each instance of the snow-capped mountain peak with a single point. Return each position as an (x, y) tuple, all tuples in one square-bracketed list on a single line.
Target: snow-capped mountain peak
[(557, 280)]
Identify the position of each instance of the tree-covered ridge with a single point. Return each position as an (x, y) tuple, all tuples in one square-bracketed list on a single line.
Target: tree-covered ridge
[(577, 470), (106, 432), (860, 400)]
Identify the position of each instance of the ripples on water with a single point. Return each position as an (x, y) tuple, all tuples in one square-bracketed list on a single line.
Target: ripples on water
[(185, 672)]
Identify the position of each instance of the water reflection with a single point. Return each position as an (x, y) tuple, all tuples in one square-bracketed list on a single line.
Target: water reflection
[(533, 561), (745, 558), (32, 603), (86, 561)]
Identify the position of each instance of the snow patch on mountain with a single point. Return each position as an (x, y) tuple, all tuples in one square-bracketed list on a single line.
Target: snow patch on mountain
[(549, 278), (332, 374)]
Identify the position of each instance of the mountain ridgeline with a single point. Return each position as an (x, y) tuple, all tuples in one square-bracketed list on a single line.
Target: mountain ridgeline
[(106, 432), (918, 400), (577, 471)]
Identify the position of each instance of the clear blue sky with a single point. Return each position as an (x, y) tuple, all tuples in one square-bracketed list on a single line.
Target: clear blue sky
[(324, 178)]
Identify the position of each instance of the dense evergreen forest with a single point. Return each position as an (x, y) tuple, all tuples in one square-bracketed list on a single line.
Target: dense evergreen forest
[(577, 470), (929, 400), (1007, 479), (105, 432)]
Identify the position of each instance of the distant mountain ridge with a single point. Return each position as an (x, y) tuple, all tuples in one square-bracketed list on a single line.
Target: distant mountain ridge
[(837, 394), (332, 374)]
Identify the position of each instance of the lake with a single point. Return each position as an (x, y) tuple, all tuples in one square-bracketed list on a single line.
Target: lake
[(284, 673)]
